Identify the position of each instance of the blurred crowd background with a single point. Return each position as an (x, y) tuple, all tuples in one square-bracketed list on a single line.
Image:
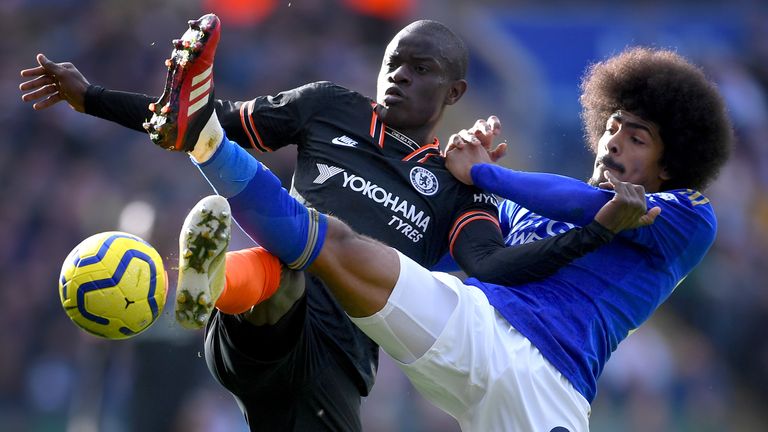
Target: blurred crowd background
[(700, 364)]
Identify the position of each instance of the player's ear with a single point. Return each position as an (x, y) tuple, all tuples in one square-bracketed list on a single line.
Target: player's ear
[(456, 91), (664, 173), (664, 178)]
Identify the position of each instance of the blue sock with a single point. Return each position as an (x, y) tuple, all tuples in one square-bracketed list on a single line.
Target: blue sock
[(229, 169), (263, 208)]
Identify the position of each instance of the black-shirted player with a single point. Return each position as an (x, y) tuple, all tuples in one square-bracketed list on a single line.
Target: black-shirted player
[(295, 361)]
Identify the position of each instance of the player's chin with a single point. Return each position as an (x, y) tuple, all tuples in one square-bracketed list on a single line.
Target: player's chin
[(396, 116), (595, 180), (396, 109)]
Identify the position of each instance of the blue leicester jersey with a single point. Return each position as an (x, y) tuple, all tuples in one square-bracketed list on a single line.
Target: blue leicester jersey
[(578, 316)]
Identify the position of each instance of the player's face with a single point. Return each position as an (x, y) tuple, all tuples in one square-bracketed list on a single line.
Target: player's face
[(413, 83), (630, 149)]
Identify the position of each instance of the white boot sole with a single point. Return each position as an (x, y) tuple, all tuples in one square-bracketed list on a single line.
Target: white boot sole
[(203, 244)]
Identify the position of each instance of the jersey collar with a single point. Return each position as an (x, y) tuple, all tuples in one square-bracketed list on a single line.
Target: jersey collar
[(408, 144)]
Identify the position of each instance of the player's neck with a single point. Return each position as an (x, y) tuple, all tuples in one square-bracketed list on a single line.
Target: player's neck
[(421, 136)]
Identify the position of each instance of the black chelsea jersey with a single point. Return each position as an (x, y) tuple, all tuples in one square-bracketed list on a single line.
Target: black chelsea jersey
[(353, 166)]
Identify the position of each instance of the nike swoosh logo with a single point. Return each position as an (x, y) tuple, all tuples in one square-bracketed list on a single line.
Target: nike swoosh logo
[(344, 141)]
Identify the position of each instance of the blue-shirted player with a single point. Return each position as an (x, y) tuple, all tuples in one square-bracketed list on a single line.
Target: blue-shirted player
[(651, 119)]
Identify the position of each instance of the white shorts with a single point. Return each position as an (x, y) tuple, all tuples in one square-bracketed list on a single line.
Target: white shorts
[(481, 370)]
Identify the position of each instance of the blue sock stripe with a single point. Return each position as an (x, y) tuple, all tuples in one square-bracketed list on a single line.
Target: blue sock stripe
[(316, 228), (322, 225)]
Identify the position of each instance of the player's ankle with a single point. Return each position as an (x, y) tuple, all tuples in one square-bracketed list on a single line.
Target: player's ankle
[(209, 140)]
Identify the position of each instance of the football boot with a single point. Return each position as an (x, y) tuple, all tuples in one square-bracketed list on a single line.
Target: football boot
[(187, 101)]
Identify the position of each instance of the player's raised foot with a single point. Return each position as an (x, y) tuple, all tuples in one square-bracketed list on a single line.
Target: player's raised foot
[(203, 246), (187, 101)]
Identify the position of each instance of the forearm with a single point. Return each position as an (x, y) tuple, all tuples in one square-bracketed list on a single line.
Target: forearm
[(132, 110), (127, 109), (554, 196), (514, 265)]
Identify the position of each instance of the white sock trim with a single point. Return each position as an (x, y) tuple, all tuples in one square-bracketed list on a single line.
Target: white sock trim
[(209, 140)]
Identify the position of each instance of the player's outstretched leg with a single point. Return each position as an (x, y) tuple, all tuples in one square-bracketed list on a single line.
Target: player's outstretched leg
[(203, 246), (187, 101)]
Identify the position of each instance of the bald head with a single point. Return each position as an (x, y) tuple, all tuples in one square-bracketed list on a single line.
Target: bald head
[(452, 49)]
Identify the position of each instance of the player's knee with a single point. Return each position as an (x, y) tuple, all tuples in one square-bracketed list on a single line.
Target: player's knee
[(292, 288)]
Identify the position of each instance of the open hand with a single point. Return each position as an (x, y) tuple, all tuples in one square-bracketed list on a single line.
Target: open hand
[(53, 83), (482, 133)]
